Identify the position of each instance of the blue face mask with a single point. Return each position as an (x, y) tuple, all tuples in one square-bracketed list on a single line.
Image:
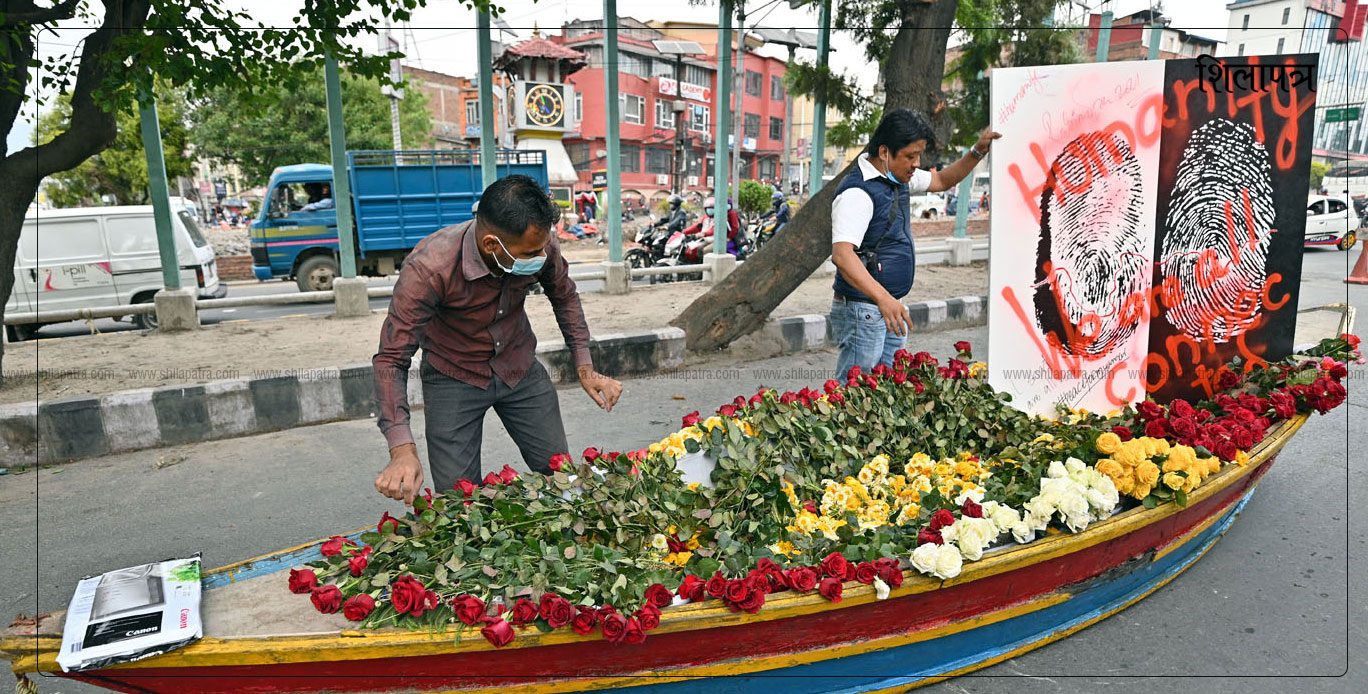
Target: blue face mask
[(888, 173), (521, 266)]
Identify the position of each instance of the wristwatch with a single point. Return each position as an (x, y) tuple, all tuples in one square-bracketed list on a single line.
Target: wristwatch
[(974, 151)]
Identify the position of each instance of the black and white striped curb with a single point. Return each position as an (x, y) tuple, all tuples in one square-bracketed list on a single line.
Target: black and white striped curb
[(69, 429)]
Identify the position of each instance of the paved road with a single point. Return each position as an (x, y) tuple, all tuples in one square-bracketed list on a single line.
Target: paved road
[(1277, 606)]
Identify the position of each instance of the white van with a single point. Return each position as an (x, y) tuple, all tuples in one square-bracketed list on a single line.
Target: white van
[(90, 257)]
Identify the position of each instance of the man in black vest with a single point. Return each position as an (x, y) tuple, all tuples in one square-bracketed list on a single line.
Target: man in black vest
[(871, 236)]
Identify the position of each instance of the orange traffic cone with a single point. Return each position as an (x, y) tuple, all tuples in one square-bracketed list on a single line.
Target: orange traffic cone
[(1360, 272)]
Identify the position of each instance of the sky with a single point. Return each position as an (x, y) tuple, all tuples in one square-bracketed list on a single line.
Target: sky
[(441, 36)]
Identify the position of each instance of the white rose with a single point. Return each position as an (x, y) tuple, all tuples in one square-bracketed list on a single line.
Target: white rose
[(1057, 470), (950, 532), (880, 589), (975, 535), (1076, 512), (1005, 517), (1074, 466), (948, 561), (660, 542), (1023, 532), (924, 557), (975, 494), (1053, 487)]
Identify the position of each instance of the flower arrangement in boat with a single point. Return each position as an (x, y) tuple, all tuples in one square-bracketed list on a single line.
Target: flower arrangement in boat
[(917, 466)]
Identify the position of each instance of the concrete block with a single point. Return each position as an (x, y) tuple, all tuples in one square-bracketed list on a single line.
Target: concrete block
[(618, 278), (131, 420), (19, 434), (276, 402), (230, 408), (320, 396), (71, 429), (176, 309), (718, 265), (358, 390), (182, 414), (961, 250), (349, 297)]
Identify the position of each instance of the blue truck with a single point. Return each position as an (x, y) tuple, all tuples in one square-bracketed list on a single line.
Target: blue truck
[(398, 198)]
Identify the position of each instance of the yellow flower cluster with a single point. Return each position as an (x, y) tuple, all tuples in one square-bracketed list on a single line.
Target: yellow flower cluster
[(951, 476), (677, 558), (977, 369), (1131, 467), (674, 443)]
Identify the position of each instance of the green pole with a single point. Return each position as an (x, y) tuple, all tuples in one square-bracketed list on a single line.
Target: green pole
[(1156, 32), (613, 206), (964, 190), (819, 112), (337, 144), (156, 181), (724, 85), (488, 165), (1104, 37)]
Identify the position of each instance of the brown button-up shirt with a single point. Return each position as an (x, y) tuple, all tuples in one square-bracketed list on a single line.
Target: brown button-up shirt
[(470, 322)]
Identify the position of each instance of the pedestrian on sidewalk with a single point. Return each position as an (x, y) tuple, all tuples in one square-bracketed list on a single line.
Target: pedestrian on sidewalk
[(871, 236), (460, 297)]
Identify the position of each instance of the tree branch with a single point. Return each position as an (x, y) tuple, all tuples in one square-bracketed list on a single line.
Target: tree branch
[(41, 15)]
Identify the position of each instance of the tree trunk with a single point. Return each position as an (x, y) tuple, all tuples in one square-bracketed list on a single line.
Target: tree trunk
[(740, 304)]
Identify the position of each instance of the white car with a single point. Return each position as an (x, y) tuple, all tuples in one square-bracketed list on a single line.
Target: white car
[(927, 206), (1330, 222)]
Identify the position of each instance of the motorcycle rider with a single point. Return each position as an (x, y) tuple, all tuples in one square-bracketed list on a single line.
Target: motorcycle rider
[(780, 211), (676, 219), (704, 227)]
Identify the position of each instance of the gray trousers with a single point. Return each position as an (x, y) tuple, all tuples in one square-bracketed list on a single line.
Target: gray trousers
[(455, 411)]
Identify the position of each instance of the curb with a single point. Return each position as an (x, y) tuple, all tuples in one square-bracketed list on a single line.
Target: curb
[(63, 430)]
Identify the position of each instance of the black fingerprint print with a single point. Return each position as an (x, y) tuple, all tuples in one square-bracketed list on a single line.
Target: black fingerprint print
[(1219, 223), (1091, 256)]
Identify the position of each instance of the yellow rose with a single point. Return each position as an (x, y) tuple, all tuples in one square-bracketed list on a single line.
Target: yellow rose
[(1161, 447), (966, 469), (852, 502), (1174, 481), (1108, 443), (977, 369), (1110, 468), (1213, 465), (1126, 456), (806, 522), (712, 422), (656, 447), (920, 459), (693, 542), (1241, 458), (1146, 474), (1125, 484), (679, 558), (1047, 438), (1141, 491), (1191, 483)]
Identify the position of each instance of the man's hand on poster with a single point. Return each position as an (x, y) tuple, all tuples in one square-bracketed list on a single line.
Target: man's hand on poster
[(602, 390), (985, 142), (895, 315)]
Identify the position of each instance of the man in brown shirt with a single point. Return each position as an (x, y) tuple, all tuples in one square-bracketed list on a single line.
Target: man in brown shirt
[(460, 297)]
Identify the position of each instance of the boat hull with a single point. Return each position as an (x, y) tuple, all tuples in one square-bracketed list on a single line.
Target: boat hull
[(1013, 600)]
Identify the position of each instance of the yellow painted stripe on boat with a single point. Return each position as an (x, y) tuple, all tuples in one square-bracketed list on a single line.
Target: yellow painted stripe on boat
[(696, 616), (1178, 542)]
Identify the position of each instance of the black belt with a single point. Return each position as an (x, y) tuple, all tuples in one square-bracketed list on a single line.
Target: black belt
[(843, 297)]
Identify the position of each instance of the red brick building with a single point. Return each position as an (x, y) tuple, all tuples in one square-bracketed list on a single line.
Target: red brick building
[(647, 89), (1131, 35), (454, 106)]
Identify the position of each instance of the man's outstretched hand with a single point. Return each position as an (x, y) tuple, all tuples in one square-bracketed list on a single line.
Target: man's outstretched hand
[(602, 390), (401, 479)]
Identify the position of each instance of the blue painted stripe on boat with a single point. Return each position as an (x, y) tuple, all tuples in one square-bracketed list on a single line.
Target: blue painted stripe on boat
[(269, 565), (919, 661)]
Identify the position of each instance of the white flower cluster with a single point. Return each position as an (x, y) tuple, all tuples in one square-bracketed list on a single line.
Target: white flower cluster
[(941, 561), (1079, 494)]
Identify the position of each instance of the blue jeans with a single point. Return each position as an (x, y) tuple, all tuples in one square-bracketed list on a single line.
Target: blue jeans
[(862, 336)]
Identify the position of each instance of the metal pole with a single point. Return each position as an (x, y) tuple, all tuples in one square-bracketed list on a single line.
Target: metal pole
[(1156, 33), (1104, 37), (156, 181), (396, 74), (724, 84), (488, 172), (613, 193), (738, 125), (337, 142), (681, 155), (819, 112), (785, 175)]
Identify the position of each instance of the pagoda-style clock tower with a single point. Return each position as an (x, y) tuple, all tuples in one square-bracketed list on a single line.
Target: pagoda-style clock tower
[(541, 100)]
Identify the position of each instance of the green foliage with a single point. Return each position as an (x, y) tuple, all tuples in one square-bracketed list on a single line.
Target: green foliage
[(754, 198), (290, 126), (1318, 171), (121, 169)]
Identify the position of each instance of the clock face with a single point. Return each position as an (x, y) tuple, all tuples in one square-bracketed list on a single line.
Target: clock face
[(544, 106)]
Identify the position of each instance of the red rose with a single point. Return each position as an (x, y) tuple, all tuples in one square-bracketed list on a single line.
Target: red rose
[(406, 594), (901, 356), (736, 591), (1149, 410), (928, 535), (1123, 433), (508, 474), (465, 487), (358, 607), (1181, 408), (498, 632), (1157, 428), (834, 565), (591, 454), (659, 595), (717, 585), (691, 418), (302, 580), (614, 627), (830, 589), (524, 611), (727, 410), (1244, 439), (754, 600), (1184, 428), (692, 588), (332, 547), (836, 398), (633, 631), (900, 378), (871, 382), (830, 386), (357, 564), (1227, 379), (559, 461), (854, 372), (739, 401), (850, 572), (585, 621), (469, 609), (963, 346), (890, 572), (802, 579), (865, 572), (755, 400), (1226, 450), (942, 519), (326, 598), (649, 616), (1350, 339), (557, 612), (492, 478), (387, 518), (606, 610), (971, 509), (810, 506)]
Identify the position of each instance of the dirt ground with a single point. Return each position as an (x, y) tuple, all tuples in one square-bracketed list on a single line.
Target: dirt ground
[(98, 364)]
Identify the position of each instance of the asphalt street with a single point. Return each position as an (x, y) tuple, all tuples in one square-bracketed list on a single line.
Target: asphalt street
[(1278, 605)]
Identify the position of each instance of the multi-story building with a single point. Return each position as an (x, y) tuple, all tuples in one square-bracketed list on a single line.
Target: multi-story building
[(1332, 29), (1131, 36), (454, 107), (647, 88)]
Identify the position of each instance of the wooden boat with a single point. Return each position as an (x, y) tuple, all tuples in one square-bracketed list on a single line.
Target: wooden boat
[(261, 638)]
